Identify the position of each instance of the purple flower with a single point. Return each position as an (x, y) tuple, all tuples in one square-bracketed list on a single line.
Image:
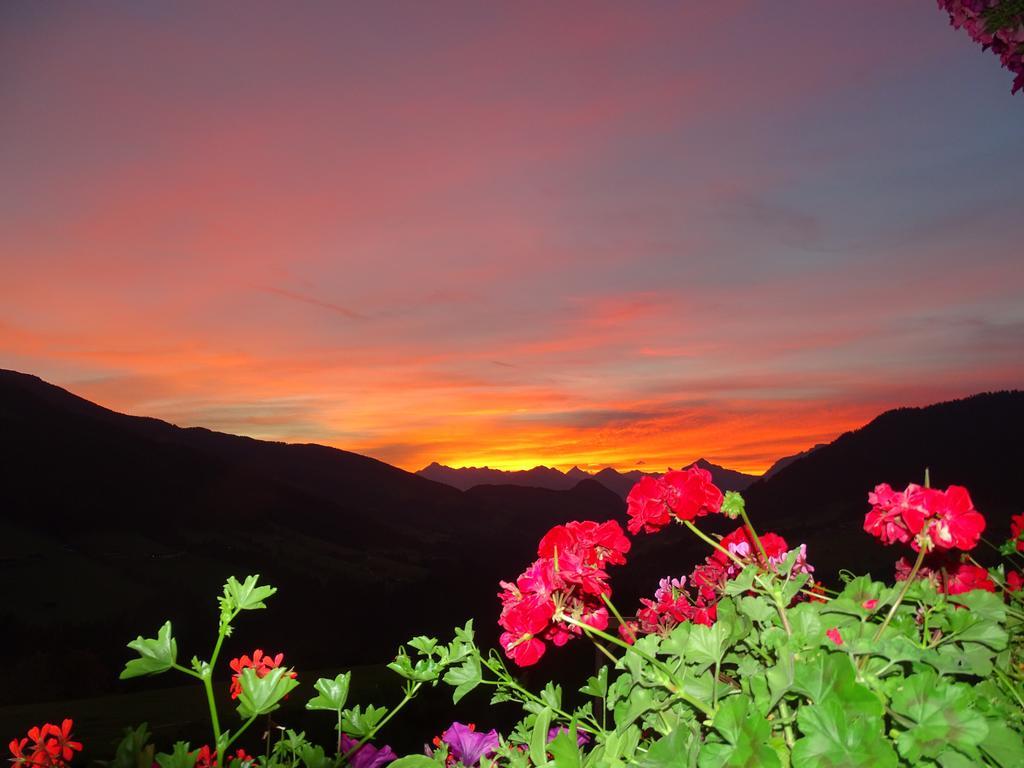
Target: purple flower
[(581, 736), (467, 746), (367, 756)]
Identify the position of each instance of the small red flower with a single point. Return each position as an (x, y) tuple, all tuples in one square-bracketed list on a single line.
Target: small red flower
[(967, 578), (834, 636), (1014, 581), (261, 662), (869, 605), (1016, 529), (205, 757), (628, 631)]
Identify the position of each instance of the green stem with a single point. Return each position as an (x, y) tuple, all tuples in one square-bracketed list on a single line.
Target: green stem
[(235, 735), (781, 608), (211, 702), (337, 755), (787, 725), (187, 671), (510, 682), (611, 607), (1009, 684), (756, 538), (647, 657), (714, 544), (901, 595), (606, 652), (207, 676), (409, 695)]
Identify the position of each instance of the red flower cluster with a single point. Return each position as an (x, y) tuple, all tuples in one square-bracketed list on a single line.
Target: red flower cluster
[(569, 578), (948, 573), (925, 517), (46, 746), (260, 661), (674, 603), (686, 494), (205, 757)]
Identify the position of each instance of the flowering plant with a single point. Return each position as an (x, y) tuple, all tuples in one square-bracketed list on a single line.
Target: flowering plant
[(743, 661), (996, 25)]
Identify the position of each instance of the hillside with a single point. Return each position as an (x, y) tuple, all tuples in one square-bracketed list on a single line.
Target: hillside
[(113, 523)]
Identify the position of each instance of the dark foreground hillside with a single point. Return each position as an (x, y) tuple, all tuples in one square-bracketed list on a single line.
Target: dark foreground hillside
[(114, 523), (821, 498)]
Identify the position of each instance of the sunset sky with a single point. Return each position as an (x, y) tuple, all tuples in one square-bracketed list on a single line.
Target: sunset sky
[(626, 234)]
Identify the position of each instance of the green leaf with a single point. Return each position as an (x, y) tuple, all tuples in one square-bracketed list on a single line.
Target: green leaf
[(332, 694), (597, 686), (1003, 745), (758, 608), (156, 655), (670, 751), (423, 644), (134, 749), (565, 750), (262, 695), (746, 734), (180, 756), (706, 645), (245, 596), (831, 676), (552, 696), (638, 702), (358, 723), (942, 714), (833, 739), (464, 677), (413, 761), (313, 756), (539, 739)]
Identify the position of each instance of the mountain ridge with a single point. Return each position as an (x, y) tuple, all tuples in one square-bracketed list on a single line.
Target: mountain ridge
[(466, 478)]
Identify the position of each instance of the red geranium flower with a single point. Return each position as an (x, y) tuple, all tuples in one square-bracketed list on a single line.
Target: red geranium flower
[(523, 622), (646, 506), (691, 494), (51, 746), (967, 578), (956, 523), (261, 662), (687, 494), (1014, 581)]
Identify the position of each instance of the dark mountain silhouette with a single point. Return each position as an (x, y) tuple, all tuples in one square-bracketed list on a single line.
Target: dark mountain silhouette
[(821, 499), (113, 523), (551, 478), (785, 461)]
